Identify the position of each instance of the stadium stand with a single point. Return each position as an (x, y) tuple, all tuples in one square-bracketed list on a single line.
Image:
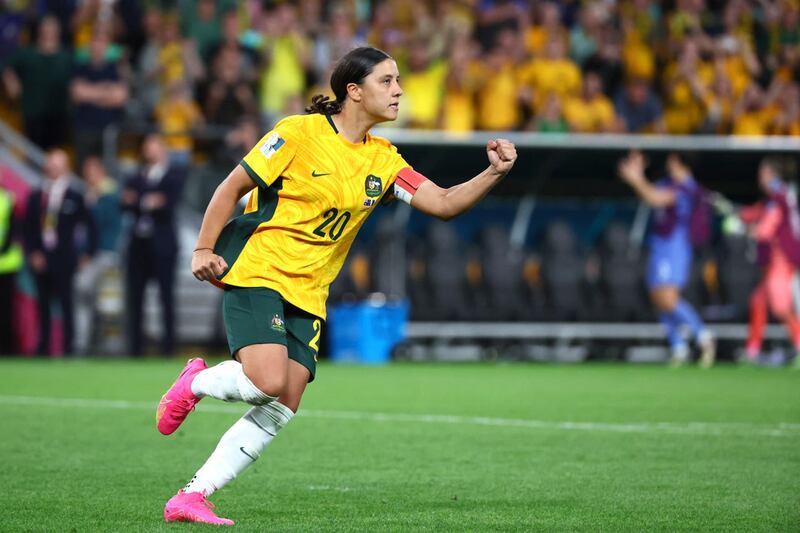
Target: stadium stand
[(621, 287), (563, 273), (502, 274), (575, 85)]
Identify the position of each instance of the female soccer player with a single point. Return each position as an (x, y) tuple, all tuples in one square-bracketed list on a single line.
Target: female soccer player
[(670, 260), (775, 224), (314, 180)]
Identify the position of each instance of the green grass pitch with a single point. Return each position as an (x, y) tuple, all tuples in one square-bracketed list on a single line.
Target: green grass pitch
[(416, 447)]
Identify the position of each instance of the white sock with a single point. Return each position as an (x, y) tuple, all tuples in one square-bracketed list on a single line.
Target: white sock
[(227, 381), (240, 446), (219, 382), (705, 337)]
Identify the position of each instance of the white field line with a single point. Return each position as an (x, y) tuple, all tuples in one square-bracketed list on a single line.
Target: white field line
[(780, 429)]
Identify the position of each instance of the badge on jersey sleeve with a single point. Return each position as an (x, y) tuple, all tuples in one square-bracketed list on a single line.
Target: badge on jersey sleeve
[(271, 145)]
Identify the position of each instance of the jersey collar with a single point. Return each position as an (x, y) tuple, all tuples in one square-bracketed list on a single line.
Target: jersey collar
[(336, 131)]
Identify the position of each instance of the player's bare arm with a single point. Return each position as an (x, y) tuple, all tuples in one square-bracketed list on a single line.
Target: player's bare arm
[(631, 170), (451, 202), (205, 263)]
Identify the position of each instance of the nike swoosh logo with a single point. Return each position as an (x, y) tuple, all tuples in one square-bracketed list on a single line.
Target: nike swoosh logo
[(162, 407), (241, 449), (315, 174)]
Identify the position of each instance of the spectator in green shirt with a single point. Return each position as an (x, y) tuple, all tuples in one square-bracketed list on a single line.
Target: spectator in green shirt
[(551, 118), (200, 22), (39, 77)]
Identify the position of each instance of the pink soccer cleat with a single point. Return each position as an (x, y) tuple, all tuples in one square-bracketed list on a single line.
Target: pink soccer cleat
[(179, 400), (192, 507)]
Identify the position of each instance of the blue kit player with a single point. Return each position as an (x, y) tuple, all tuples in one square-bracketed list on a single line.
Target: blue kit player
[(673, 200)]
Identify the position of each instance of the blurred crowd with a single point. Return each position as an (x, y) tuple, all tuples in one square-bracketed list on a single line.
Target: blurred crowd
[(71, 68), (59, 243)]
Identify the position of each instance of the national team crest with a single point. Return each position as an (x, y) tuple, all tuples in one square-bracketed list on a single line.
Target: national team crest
[(277, 324), (373, 186)]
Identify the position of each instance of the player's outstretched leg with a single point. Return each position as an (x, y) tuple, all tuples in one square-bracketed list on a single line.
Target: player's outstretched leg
[(758, 324), (708, 348), (686, 314), (243, 443), (192, 507), (179, 400), (679, 351)]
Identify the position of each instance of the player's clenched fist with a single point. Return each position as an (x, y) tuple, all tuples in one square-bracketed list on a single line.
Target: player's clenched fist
[(207, 265), (502, 155)]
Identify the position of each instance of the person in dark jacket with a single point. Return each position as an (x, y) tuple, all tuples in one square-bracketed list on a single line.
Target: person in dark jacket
[(56, 223), (151, 196)]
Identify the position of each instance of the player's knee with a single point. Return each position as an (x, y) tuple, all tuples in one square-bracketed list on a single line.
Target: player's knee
[(781, 312), (663, 306), (271, 385), (665, 302), (258, 389)]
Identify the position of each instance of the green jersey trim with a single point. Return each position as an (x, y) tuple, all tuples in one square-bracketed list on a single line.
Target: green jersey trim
[(237, 232), (253, 175)]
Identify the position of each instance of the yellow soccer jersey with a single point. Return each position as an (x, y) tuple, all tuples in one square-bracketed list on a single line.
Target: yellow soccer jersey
[(314, 191)]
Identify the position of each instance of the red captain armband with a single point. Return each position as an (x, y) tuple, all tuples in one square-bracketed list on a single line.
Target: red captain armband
[(406, 185)]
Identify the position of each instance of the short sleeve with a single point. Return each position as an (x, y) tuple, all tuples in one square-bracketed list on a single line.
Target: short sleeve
[(405, 180), (398, 163), (270, 157)]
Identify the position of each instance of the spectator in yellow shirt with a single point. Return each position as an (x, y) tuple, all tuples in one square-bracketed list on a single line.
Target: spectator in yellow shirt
[(638, 54), (171, 65), (177, 115), (787, 120), (498, 96), (750, 116), (740, 61), (718, 101), (738, 20), (547, 28), (638, 58), (685, 83), (423, 86), (641, 17), (592, 112), (685, 21), (552, 74), (287, 54), (459, 113)]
